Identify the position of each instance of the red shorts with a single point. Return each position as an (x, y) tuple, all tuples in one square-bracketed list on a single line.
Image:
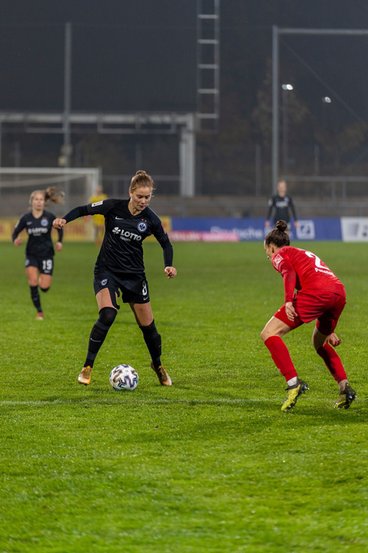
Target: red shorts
[(326, 307)]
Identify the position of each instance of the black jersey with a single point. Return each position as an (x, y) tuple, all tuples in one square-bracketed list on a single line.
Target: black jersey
[(281, 206), (121, 250), (39, 234)]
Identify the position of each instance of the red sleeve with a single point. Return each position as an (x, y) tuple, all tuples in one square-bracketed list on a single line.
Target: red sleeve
[(283, 266)]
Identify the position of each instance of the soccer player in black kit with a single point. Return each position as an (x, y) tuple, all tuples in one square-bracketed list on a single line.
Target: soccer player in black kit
[(280, 206), (39, 250), (119, 267)]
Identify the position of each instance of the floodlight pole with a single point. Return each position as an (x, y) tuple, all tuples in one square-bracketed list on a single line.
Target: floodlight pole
[(276, 31), (275, 107), (67, 93)]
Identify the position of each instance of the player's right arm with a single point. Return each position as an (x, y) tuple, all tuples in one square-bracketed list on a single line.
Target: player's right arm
[(75, 213), (271, 205), (290, 310), (101, 208), (20, 225), (289, 278)]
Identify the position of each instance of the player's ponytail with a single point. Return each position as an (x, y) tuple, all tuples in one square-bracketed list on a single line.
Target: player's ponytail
[(141, 178), (52, 194), (278, 236)]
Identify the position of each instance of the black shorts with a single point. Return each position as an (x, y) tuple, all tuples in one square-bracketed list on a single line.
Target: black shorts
[(45, 265), (134, 287)]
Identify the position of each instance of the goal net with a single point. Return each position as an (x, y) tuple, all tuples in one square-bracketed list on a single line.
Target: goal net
[(17, 184)]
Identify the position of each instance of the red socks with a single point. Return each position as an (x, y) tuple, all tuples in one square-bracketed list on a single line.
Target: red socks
[(332, 361), (281, 356)]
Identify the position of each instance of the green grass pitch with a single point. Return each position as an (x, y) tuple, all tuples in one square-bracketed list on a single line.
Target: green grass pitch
[(209, 465)]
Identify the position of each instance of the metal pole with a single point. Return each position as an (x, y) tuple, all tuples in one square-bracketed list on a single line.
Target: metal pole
[(307, 31), (258, 166), (1, 149), (284, 131), (275, 107), (67, 92), (187, 158)]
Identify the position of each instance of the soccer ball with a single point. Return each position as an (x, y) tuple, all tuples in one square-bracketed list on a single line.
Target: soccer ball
[(124, 377)]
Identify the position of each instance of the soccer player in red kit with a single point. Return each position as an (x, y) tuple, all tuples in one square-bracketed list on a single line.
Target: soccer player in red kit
[(312, 292)]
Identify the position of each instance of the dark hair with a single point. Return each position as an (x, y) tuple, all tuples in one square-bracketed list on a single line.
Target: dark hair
[(278, 235), (141, 178)]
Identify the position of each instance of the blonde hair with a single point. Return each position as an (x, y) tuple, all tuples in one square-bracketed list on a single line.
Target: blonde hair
[(141, 178), (51, 194)]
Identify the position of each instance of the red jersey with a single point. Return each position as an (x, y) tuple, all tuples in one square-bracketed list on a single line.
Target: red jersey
[(303, 270)]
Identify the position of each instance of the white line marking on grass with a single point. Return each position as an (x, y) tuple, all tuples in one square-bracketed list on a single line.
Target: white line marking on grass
[(89, 401)]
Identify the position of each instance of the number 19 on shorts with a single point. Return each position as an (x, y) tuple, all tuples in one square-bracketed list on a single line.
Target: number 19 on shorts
[(47, 265)]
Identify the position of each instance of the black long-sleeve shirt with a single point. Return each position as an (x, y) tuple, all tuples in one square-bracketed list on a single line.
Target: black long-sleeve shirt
[(280, 207), (39, 229), (121, 250)]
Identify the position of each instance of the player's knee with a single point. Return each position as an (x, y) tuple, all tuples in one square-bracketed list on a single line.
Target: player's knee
[(151, 335), (265, 334), (318, 339), (107, 316), (44, 290), (150, 330)]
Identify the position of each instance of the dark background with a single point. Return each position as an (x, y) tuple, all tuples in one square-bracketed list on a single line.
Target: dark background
[(141, 55), (126, 56)]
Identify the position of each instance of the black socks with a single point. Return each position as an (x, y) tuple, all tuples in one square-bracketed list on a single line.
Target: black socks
[(153, 342), (98, 333), (35, 297)]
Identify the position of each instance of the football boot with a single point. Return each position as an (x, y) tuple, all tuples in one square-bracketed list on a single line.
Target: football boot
[(162, 375), (293, 392), (345, 398), (85, 375)]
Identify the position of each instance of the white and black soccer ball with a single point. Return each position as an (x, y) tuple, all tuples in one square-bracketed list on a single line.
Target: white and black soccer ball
[(124, 377)]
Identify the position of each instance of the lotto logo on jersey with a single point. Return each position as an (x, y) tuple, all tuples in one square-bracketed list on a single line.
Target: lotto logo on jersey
[(37, 231), (126, 234), (95, 204)]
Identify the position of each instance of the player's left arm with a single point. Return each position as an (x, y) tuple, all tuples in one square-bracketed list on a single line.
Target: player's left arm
[(293, 211), (168, 251)]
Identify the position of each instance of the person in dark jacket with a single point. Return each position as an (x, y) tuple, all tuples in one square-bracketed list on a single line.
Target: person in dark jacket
[(281, 207)]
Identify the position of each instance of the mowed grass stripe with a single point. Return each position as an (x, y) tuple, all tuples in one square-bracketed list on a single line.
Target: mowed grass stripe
[(210, 465)]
